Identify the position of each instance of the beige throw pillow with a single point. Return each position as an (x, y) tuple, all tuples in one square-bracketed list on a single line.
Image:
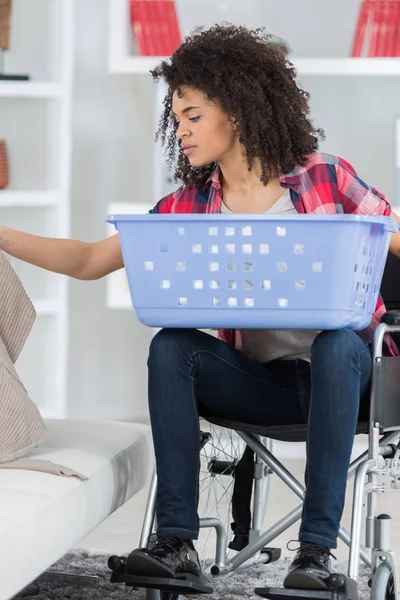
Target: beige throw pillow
[(21, 425)]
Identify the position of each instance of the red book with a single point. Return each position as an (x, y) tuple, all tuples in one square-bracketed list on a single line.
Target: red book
[(173, 25), (137, 24), (390, 28), (164, 34), (397, 30), (144, 26), (156, 28), (361, 28), (376, 30), (386, 28)]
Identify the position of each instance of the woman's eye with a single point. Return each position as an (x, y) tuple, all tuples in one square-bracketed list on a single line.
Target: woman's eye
[(194, 119)]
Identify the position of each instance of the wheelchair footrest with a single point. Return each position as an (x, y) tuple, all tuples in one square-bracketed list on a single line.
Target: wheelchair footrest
[(283, 593), (339, 587), (185, 584)]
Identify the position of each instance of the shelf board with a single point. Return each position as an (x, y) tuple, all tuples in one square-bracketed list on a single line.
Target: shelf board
[(45, 308), (137, 65), (30, 89), (26, 199)]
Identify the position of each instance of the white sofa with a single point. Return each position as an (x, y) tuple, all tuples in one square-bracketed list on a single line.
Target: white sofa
[(42, 516)]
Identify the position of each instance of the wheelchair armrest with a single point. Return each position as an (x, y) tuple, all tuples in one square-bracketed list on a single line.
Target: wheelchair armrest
[(392, 317)]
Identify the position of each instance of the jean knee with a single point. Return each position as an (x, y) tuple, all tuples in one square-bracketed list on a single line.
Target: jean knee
[(169, 344), (336, 345)]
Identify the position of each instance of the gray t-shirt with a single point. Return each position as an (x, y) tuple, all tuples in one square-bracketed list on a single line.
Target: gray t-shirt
[(265, 345)]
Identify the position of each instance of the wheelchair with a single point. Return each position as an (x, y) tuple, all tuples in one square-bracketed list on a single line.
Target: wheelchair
[(228, 447)]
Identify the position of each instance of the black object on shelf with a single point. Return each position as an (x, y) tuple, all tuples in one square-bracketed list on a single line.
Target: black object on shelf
[(5, 29), (10, 76)]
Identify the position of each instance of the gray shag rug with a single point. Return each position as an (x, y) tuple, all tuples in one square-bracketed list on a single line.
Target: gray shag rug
[(237, 586)]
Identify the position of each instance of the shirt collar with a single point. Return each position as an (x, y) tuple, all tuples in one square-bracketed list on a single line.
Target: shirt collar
[(290, 180)]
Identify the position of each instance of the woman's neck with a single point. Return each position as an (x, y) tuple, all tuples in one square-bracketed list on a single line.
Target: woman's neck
[(236, 176)]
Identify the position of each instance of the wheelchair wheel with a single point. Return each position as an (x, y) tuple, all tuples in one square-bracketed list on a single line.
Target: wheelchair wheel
[(218, 459), (382, 586)]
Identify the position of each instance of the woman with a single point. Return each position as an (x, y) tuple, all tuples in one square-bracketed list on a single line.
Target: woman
[(240, 127)]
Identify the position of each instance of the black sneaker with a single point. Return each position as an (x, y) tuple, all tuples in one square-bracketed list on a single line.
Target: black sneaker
[(310, 569), (170, 557)]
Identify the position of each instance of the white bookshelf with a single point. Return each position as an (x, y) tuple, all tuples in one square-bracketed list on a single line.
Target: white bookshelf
[(28, 89), (35, 121), (34, 199), (342, 67), (121, 58)]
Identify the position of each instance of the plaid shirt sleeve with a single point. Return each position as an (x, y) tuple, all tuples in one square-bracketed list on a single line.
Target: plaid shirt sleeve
[(165, 204), (356, 196)]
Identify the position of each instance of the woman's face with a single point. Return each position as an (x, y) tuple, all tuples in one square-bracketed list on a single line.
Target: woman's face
[(204, 131)]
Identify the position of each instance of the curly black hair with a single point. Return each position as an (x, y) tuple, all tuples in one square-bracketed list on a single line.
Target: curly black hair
[(248, 73)]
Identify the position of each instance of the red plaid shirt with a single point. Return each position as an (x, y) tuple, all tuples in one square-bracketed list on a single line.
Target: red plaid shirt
[(327, 184)]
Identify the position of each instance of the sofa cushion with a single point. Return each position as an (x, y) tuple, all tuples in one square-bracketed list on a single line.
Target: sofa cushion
[(42, 516)]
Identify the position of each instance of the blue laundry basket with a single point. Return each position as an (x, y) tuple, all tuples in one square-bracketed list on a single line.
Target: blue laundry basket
[(254, 271)]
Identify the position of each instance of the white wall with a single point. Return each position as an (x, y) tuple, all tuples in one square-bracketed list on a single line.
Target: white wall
[(112, 145), (113, 159)]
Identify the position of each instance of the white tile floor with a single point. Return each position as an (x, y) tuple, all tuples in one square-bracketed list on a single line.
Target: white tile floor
[(120, 533)]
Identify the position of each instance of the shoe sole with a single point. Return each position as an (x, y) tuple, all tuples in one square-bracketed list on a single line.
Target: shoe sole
[(304, 581)]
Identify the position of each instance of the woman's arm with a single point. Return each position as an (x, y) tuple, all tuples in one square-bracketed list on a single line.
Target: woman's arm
[(76, 259)]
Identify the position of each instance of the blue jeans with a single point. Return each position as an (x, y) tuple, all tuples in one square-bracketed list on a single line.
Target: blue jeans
[(191, 371)]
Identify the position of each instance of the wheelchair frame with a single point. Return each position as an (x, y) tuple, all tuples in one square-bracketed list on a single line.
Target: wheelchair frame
[(381, 458)]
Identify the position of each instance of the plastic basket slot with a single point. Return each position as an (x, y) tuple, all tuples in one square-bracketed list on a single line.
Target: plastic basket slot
[(283, 302), (247, 231), (214, 249), (214, 284), (214, 266), (198, 284), (280, 231), (299, 249), (197, 249), (180, 266), (247, 248), (264, 248), (317, 267), (149, 265), (230, 266), (230, 248), (232, 284), (266, 284), (232, 302), (300, 285), (249, 302), (213, 231), (165, 284), (248, 285), (282, 267), (229, 231), (248, 266), (163, 248)]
